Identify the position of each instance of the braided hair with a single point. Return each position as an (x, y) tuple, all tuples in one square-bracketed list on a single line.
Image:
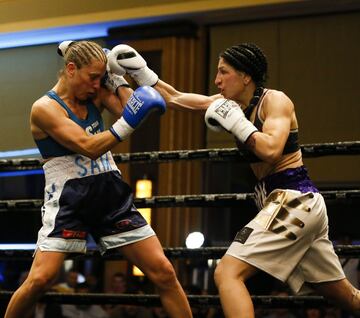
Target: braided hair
[(249, 58), (82, 53)]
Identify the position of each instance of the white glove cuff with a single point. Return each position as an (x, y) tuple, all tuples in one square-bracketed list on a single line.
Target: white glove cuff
[(243, 130), (114, 82), (144, 76), (122, 82), (121, 129)]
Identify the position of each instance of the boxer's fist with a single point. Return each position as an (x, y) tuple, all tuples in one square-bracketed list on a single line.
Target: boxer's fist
[(226, 114), (111, 80), (125, 57), (141, 103)]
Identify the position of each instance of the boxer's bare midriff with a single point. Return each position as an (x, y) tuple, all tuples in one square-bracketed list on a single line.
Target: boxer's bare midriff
[(291, 160)]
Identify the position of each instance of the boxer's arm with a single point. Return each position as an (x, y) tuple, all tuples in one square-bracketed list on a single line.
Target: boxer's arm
[(53, 121), (115, 103), (125, 58), (269, 144), (184, 101), (115, 90)]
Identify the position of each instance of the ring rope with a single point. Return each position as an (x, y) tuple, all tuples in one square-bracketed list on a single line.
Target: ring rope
[(154, 300), (220, 154), (309, 151), (345, 251), (197, 200)]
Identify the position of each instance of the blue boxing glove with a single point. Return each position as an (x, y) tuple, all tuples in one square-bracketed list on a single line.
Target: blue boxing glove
[(143, 101)]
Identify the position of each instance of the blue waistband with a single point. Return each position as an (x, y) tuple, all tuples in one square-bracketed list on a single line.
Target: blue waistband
[(291, 179)]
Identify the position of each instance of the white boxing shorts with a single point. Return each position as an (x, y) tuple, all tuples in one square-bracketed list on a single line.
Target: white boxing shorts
[(288, 239), (84, 196)]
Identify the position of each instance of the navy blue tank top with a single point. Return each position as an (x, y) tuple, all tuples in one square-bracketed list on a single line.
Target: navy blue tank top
[(93, 124)]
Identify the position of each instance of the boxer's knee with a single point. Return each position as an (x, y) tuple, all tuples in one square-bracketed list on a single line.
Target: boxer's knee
[(40, 282), (224, 273), (164, 276), (219, 274), (232, 269)]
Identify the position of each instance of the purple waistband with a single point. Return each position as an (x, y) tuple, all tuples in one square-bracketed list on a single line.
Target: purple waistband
[(292, 179)]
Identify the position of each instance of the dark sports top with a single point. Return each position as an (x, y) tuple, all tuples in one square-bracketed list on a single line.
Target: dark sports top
[(93, 124), (291, 145)]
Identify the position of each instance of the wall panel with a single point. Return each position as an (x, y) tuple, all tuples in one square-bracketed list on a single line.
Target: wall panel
[(26, 74), (314, 60)]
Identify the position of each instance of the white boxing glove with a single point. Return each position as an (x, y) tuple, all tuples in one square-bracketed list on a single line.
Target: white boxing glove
[(111, 80), (125, 57), (228, 115)]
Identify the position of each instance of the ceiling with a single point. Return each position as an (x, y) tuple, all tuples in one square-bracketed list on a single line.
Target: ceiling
[(32, 22)]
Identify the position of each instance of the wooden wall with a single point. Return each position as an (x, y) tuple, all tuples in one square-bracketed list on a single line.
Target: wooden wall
[(314, 60)]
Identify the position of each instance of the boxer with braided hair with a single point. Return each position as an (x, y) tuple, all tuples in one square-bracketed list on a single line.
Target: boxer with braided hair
[(249, 58), (288, 238), (84, 190)]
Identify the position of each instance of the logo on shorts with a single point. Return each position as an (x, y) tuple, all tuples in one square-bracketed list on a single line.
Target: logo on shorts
[(243, 235), (224, 108), (124, 225), (50, 191), (130, 224), (68, 234)]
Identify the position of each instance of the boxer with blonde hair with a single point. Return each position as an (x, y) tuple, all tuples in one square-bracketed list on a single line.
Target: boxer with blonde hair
[(84, 190)]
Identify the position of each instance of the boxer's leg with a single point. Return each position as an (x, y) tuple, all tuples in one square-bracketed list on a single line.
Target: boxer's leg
[(43, 273), (148, 255), (230, 277), (342, 293)]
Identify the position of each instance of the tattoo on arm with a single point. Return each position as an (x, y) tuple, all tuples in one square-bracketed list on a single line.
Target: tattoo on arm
[(250, 143)]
